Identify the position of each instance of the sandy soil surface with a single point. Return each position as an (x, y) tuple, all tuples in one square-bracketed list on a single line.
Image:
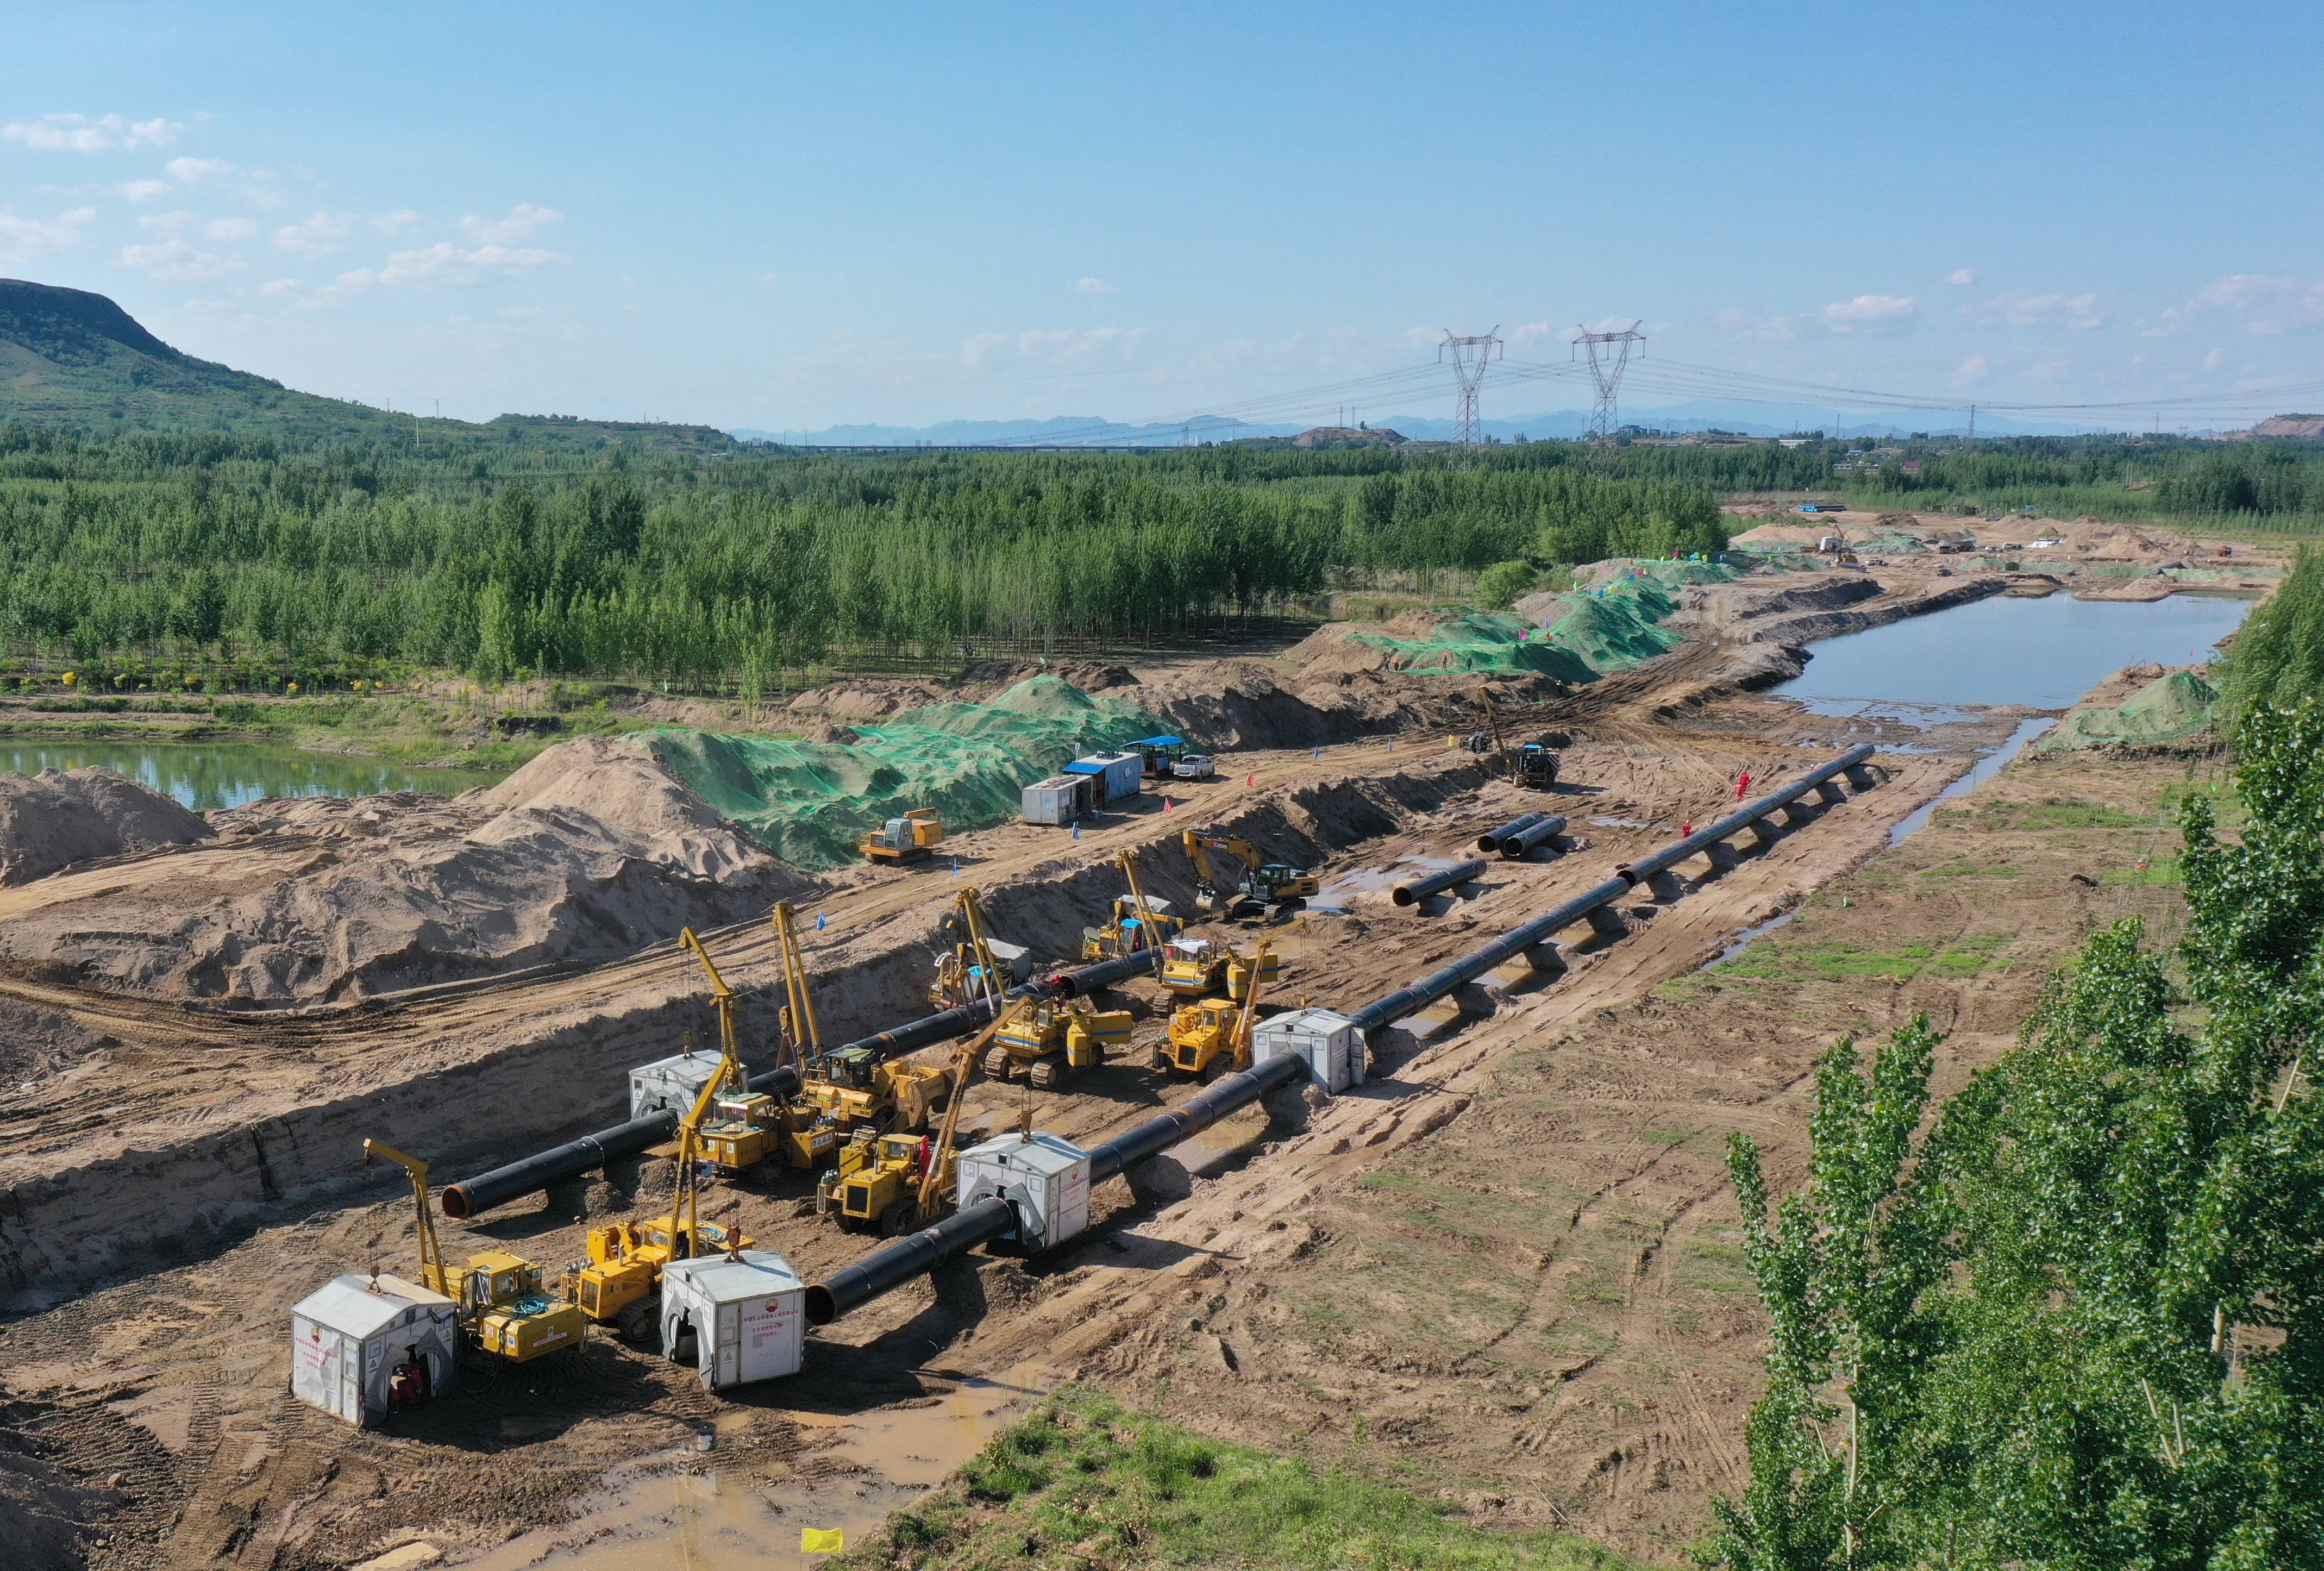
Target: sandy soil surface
[(1497, 1270)]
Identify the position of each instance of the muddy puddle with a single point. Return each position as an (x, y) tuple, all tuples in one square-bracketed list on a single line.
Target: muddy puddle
[(681, 1511)]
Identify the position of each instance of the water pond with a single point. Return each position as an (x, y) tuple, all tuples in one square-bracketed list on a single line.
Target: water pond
[(205, 776)]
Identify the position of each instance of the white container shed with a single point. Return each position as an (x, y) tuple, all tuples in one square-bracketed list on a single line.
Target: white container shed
[(671, 1083), (746, 1318), (348, 1336), (1045, 1175), (1059, 800), (1334, 1050)]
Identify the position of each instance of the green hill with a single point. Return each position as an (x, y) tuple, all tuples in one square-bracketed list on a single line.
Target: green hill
[(73, 359)]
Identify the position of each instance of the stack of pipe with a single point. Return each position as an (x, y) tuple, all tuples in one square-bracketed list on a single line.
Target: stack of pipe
[(1491, 840), (1516, 847)]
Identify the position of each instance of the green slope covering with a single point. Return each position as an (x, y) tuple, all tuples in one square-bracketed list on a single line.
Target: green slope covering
[(2170, 708), (1611, 626), (68, 357), (809, 802)]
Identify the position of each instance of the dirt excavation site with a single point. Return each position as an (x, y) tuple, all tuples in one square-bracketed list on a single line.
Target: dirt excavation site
[(1502, 1271)]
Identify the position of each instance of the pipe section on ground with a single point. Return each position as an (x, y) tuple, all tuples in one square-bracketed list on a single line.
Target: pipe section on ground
[(890, 1268), (1413, 890), (1491, 839), (1516, 847), (1394, 1006), (1734, 823)]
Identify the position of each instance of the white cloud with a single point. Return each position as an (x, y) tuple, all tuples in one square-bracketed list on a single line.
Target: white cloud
[(522, 220), (146, 190), (2268, 306), (2215, 360), (442, 265), (391, 222), (29, 239), (190, 172), (315, 235), (1961, 277), (1877, 316), (174, 259), (176, 223), (1973, 369), (763, 278), (231, 229), (1094, 286), (1062, 347), (282, 286), (2020, 308), (83, 133)]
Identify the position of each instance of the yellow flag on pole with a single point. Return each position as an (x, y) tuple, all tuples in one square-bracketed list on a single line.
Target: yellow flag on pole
[(822, 1540)]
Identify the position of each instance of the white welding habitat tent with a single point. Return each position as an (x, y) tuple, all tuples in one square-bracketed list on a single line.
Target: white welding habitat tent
[(1046, 1177), (349, 1338), (737, 1318), (671, 1083), (1334, 1050)]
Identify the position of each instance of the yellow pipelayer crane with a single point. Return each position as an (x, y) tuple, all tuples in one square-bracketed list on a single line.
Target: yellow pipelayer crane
[(1136, 924), (502, 1306), (747, 1127), (1214, 1034), (969, 972), (851, 1087)]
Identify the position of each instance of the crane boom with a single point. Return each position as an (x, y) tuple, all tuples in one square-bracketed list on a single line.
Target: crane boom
[(431, 1253), (805, 1036), (964, 1066)]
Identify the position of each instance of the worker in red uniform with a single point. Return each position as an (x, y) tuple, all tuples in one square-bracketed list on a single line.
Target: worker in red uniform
[(1742, 784)]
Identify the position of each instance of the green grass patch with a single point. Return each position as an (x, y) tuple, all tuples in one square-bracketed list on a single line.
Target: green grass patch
[(1085, 1480), (1964, 868), (2162, 869), (1839, 962)]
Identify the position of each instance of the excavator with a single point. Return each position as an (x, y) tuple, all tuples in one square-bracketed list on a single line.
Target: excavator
[(1263, 884), (1138, 922), (502, 1306), (854, 1086), (892, 1183), (1215, 1032), (1529, 765)]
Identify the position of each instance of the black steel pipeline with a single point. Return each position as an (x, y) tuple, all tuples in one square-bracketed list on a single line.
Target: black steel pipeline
[(1420, 994), (1734, 823), (1413, 890), (1516, 847), (1192, 1116), (900, 1261), (1491, 839), (528, 1174)]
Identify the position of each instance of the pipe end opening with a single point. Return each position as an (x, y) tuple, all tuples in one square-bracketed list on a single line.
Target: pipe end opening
[(455, 1202), (822, 1309), (1401, 895)]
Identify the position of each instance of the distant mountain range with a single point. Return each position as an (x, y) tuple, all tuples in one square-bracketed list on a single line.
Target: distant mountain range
[(68, 357), (1096, 430)]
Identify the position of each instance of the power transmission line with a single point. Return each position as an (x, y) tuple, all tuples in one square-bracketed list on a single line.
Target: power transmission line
[(1469, 357)]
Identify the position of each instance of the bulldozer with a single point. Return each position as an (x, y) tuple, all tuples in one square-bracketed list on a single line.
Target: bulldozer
[(1193, 967), (1212, 1033), (909, 838), (1263, 887), (502, 1305), (883, 1181), (1053, 1039), (1138, 924)]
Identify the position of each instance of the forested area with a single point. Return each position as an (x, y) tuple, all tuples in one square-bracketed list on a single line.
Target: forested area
[(2261, 484), (729, 569)]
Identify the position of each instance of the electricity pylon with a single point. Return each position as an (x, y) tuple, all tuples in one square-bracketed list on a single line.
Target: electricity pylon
[(1608, 353), (1469, 358)]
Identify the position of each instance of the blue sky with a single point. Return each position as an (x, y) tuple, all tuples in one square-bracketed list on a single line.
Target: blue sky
[(784, 218)]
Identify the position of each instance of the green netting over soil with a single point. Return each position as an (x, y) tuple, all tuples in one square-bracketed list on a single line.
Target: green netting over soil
[(1611, 627), (2170, 708), (1481, 641), (809, 802)]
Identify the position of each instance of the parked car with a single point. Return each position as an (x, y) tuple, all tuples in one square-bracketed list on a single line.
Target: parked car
[(1195, 766)]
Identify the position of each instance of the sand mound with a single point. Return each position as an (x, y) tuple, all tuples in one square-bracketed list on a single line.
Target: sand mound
[(1239, 704), (57, 817), (2173, 709), (590, 851)]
